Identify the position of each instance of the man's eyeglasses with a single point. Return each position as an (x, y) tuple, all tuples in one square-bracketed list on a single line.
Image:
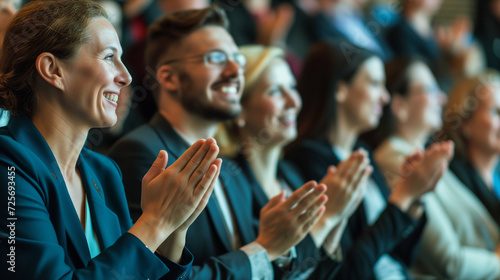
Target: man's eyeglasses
[(216, 58)]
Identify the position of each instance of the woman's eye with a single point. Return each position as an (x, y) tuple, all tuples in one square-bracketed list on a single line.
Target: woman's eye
[(109, 56), (275, 91)]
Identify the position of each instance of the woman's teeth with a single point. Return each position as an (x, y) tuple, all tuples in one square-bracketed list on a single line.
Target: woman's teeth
[(111, 96), (232, 90)]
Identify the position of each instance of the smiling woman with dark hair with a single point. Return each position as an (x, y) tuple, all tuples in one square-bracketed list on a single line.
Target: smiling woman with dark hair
[(61, 75)]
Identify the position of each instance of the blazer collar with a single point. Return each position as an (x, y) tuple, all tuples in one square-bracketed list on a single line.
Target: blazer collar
[(26, 133), (175, 146), (290, 174), (169, 137), (105, 221)]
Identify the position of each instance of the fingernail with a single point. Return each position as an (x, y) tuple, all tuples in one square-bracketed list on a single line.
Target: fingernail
[(160, 155)]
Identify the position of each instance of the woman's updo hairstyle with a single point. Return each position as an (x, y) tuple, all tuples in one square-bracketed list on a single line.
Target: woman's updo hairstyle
[(58, 27)]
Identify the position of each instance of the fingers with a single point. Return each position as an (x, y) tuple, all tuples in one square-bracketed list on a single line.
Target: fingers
[(206, 186), (184, 159), (310, 213), (157, 167), (197, 169), (208, 182), (345, 166), (357, 173), (275, 200), (314, 218), (299, 194), (197, 166), (312, 199), (361, 180)]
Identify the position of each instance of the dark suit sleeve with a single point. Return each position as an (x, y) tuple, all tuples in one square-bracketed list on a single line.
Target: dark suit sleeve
[(135, 158), (391, 230), (38, 254), (311, 160), (393, 233)]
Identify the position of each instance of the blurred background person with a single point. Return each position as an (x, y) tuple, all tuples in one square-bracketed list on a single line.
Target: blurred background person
[(7, 10), (255, 140), (487, 30), (460, 237), (343, 92), (345, 19), (413, 115), (472, 121), (450, 51)]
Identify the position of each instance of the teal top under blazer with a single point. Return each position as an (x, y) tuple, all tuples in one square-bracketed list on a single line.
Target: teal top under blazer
[(48, 241)]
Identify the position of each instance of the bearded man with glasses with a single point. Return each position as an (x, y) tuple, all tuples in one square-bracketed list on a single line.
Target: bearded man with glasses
[(199, 74)]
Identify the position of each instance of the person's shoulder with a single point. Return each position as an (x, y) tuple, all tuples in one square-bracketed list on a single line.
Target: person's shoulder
[(136, 140), (14, 151), (139, 134), (25, 161), (313, 145)]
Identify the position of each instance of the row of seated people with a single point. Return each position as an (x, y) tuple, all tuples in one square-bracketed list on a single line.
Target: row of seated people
[(256, 217), (401, 29)]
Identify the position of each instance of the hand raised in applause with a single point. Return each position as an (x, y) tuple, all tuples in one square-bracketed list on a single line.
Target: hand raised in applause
[(346, 186), (174, 197), (420, 173), (285, 222)]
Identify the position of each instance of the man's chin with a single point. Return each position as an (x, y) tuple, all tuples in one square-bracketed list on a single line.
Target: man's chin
[(214, 113), (219, 115)]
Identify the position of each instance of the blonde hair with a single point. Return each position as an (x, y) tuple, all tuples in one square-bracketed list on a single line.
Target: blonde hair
[(463, 101), (258, 59)]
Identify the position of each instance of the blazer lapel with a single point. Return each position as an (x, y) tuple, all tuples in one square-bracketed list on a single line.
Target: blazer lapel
[(290, 174), (26, 133), (105, 222), (240, 204), (175, 145), (171, 141), (220, 227)]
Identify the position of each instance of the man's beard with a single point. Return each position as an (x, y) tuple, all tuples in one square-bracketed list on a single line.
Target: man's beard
[(196, 104)]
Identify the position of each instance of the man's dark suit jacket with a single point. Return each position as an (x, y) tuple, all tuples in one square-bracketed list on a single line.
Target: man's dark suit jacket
[(207, 237), (308, 256), (48, 237), (394, 233), (471, 178)]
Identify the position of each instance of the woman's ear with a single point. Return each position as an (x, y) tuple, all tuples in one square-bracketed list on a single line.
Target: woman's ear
[(49, 68), (341, 93), (465, 129), (399, 107), (168, 79)]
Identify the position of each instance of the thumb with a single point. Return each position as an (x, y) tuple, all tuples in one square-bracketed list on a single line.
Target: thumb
[(157, 167)]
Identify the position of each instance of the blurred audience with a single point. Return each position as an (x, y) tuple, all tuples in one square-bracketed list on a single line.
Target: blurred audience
[(345, 19), (472, 121), (343, 92), (450, 51), (283, 23), (487, 30), (256, 138), (413, 115), (460, 237)]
